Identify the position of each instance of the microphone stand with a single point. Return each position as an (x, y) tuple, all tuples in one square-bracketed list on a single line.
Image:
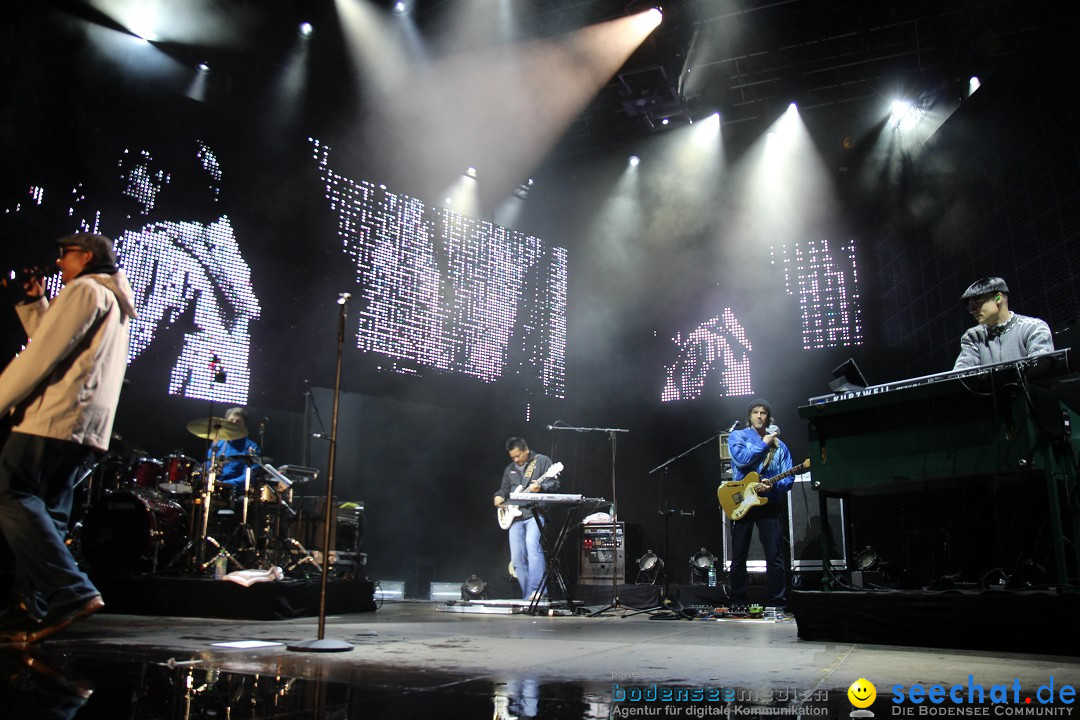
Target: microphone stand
[(616, 603), (321, 644), (667, 602)]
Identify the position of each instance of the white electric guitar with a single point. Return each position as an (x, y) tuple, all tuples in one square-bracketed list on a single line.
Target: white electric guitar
[(508, 512)]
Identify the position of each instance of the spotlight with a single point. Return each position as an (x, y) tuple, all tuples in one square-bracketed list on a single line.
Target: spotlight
[(204, 67), (649, 567), (973, 84), (471, 172), (474, 588), (400, 8), (305, 29), (649, 562), (867, 560), (634, 161), (700, 562)]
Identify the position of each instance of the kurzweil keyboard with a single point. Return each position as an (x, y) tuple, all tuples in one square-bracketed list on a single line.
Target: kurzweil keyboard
[(1052, 363), (528, 498)]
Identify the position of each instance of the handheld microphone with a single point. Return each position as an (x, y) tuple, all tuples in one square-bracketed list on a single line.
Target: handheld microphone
[(772, 430), (10, 277)]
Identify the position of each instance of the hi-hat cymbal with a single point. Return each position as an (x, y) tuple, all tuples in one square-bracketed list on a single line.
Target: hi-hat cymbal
[(215, 429)]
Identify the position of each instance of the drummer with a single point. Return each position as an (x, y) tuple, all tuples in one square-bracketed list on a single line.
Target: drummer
[(225, 452)]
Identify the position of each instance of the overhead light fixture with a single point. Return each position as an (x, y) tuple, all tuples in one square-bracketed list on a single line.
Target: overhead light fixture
[(474, 588), (471, 172), (204, 67), (400, 8), (633, 161), (306, 29)]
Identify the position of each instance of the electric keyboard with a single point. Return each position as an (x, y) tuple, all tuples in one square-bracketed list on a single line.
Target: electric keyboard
[(1056, 362), (528, 498)]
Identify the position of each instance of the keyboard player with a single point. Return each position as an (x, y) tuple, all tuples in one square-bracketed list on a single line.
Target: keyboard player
[(1000, 334), (526, 470)]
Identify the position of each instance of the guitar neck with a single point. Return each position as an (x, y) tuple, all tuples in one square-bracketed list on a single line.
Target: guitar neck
[(787, 473)]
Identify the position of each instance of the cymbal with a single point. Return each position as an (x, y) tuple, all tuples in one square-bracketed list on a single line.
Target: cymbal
[(215, 429)]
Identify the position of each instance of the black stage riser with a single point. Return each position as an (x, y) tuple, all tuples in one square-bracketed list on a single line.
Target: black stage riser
[(203, 597), (1001, 621)]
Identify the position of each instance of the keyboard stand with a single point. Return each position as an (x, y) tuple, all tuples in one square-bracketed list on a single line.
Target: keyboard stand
[(551, 568)]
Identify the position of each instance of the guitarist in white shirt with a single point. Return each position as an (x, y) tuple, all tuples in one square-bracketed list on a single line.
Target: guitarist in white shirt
[(526, 552), (757, 448)]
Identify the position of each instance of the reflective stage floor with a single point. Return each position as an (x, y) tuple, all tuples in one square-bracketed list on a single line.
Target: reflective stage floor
[(409, 660)]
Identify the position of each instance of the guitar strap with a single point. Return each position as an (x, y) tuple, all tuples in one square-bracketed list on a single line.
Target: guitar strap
[(768, 459), (535, 508)]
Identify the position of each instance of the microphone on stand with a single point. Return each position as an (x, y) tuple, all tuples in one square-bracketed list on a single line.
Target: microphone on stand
[(733, 426)]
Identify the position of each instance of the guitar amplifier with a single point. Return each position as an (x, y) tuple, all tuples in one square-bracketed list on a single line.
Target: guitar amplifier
[(603, 548)]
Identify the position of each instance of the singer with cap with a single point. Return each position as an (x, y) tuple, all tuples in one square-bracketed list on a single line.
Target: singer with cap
[(758, 448), (62, 392), (1000, 334)]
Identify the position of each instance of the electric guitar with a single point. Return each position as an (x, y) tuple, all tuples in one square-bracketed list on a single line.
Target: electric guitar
[(507, 513), (736, 498)]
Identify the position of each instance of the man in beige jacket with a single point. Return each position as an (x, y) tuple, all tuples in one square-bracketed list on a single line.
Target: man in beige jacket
[(62, 391)]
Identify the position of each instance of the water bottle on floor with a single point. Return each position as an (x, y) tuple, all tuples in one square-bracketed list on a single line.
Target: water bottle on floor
[(712, 576)]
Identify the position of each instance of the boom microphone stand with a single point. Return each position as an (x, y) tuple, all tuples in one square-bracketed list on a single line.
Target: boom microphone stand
[(321, 644), (615, 604), (667, 601)]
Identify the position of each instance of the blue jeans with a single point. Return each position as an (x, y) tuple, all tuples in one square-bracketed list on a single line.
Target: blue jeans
[(37, 477), (527, 554), (768, 525)]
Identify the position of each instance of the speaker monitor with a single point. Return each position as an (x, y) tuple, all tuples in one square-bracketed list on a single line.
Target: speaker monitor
[(308, 527), (805, 527)]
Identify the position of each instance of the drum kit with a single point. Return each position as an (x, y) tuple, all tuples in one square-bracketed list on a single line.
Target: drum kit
[(141, 514)]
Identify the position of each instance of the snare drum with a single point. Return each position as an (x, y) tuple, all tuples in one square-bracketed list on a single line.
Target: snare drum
[(130, 531), (146, 472)]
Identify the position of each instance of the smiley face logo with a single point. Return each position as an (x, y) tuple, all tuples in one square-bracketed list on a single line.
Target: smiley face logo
[(862, 693)]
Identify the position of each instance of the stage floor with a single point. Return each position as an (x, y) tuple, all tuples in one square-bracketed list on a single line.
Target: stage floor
[(408, 660)]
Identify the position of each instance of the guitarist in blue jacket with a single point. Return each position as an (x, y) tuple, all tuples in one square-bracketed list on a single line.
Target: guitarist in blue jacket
[(526, 471), (758, 449)]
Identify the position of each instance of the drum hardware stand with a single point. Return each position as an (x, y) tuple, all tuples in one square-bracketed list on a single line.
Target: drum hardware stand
[(243, 537), (288, 543)]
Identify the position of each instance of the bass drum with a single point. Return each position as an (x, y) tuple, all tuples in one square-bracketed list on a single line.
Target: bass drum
[(130, 532)]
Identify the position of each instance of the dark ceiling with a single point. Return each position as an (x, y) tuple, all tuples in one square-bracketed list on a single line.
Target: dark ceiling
[(841, 61)]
